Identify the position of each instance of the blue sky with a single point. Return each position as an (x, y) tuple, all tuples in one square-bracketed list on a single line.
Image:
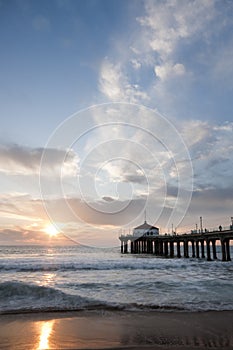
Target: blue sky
[(60, 57)]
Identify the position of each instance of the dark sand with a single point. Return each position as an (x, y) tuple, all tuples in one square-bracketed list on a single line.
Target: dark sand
[(117, 330)]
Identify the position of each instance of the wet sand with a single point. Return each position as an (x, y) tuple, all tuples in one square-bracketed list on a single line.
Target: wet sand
[(117, 330)]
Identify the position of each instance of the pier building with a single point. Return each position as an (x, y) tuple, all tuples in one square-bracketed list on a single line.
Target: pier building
[(145, 230)]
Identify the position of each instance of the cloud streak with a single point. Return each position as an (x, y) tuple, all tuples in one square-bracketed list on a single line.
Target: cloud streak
[(20, 160)]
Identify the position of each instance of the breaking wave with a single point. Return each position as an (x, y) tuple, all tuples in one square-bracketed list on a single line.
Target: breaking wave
[(93, 266), (19, 297)]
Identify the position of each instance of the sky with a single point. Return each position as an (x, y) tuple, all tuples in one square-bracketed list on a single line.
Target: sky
[(110, 110)]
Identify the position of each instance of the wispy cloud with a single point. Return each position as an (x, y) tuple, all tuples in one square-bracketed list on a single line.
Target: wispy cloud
[(210, 147), (176, 50), (28, 236), (20, 160), (169, 70), (166, 23), (115, 85)]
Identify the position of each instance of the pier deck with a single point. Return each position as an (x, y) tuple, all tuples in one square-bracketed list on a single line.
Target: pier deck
[(195, 245)]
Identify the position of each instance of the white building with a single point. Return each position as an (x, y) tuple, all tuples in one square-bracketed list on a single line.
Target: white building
[(145, 230)]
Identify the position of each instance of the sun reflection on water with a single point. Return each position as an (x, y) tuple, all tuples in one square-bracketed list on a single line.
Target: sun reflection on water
[(48, 279), (46, 328)]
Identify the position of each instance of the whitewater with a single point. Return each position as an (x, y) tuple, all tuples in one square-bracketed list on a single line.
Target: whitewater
[(41, 279)]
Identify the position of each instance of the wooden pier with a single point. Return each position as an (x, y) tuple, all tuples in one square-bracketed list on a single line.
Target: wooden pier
[(193, 245)]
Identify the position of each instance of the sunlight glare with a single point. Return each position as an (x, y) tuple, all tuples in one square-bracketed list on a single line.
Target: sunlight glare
[(46, 329), (51, 230)]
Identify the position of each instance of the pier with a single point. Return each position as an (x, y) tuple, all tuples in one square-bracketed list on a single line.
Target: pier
[(201, 245)]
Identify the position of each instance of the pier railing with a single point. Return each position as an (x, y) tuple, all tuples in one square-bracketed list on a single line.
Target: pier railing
[(206, 230)]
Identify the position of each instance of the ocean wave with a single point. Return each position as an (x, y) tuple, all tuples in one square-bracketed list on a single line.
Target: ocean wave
[(86, 266), (72, 267), (126, 285), (24, 296), (20, 297)]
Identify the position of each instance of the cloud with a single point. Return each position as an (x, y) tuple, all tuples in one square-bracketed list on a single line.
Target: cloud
[(210, 147), (134, 178), (169, 70), (115, 85), (25, 236), (135, 63), (108, 199), (167, 31), (213, 204), (111, 81), (21, 208), (139, 156), (177, 49), (20, 160), (166, 23), (211, 150)]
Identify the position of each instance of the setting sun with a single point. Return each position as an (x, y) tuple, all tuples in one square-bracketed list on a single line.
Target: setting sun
[(51, 230)]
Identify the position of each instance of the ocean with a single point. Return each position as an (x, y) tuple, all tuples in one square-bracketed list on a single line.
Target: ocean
[(41, 279)]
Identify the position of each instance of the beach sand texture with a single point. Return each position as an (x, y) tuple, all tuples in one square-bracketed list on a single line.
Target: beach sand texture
[(113, 330)]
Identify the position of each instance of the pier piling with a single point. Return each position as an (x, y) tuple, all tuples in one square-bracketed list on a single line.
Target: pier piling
[(199, 245)]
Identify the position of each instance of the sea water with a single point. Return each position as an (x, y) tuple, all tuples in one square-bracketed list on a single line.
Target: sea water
[(79, 278)]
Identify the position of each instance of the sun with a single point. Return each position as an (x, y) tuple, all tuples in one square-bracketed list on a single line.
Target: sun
[(51, 230)]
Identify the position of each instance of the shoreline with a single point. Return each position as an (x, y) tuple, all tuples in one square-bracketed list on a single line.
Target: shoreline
[(117, 330)]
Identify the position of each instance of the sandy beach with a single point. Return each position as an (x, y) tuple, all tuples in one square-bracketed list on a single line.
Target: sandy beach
[(117, 330)]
